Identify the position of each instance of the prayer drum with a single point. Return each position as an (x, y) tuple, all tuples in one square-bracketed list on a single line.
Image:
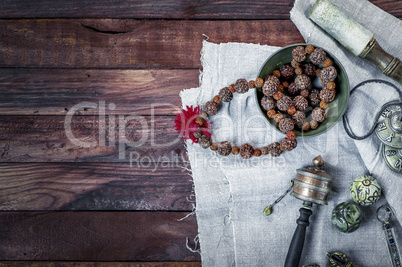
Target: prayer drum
[(313, 184)]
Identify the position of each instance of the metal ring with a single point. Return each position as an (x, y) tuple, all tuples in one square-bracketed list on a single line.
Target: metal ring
[(388, 215)]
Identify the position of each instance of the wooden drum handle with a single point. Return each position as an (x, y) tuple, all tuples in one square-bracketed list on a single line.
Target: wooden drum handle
[(296, 245)]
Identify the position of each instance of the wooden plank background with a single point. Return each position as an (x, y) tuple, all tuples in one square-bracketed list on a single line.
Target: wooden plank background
[(97, 264), (128, 43), (161, 9), (55, 91), (66, 205), (43, 236)]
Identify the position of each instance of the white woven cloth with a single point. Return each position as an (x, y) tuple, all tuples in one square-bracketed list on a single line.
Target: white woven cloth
[(231, 193)]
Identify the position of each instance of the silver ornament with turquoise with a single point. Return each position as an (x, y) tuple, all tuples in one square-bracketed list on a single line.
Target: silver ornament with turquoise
[(346, 217), (365, 190)]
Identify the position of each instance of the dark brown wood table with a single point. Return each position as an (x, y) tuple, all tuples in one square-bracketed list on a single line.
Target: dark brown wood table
[(81, 83)]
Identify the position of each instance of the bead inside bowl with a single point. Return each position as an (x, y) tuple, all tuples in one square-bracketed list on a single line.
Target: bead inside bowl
[(335, 109)]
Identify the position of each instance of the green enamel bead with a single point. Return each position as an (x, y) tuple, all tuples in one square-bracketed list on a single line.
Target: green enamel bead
[(268, 210), (346, 217), (365, 190)]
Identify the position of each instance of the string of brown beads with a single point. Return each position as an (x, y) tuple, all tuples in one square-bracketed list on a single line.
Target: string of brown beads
[(286, 93), (298, 95), (245, 151)]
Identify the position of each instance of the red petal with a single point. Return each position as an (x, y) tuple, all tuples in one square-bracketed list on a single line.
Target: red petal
[(185, 123)]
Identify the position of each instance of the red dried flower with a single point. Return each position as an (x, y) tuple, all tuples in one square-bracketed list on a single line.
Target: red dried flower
[(185, 124)]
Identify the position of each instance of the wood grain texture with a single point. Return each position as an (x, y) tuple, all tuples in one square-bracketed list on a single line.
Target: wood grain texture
[(96, 236), (95, 186), (132, 44), (132, 138), (96, 264), (162, 9), (156, 9), (52, 91), (87, 206)]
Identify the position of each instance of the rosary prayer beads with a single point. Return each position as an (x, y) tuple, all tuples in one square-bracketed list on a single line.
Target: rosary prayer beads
[(290, 90), (246, 151), (287, 95)]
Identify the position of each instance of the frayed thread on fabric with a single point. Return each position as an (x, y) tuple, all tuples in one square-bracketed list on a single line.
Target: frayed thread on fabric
[(196, 248), (188, 215), (190, 198), (228, 229)]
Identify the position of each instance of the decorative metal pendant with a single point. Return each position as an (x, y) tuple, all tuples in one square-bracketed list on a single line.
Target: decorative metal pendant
[(389, 132), (339, 259), (384, 214), (389, 127), (392, 157)]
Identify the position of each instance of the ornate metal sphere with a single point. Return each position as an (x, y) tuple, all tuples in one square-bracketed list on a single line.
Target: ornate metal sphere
[(346, 217), (365, 190)]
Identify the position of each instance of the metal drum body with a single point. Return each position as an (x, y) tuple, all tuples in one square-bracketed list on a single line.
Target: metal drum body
[(312, 184)]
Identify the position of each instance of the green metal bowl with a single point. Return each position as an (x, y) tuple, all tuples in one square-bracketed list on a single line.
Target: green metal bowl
[(336, 108)]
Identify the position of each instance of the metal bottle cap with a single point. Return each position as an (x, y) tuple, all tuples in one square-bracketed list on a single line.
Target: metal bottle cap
[(313, 183)]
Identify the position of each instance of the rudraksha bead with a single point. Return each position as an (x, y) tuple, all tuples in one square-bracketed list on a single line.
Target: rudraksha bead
[(286, 125), (293, 89), (327, 95), (224, 148), (299, 118), (241, 86), (268, 102), (211, 108), (288, 144), (246, 151), (309, 69), (299, 54), (329, 74), (314, 97), (274, 149), (225, 94), (318, 114), (270, 86), (284, 103), (300, 103), (302, 81), (287, 71), (318, 56)]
